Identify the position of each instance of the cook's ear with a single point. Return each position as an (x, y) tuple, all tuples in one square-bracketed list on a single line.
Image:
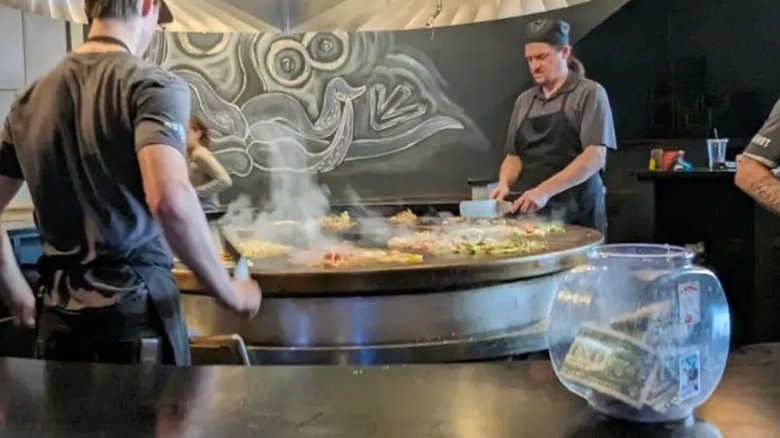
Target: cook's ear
[(147, 7)]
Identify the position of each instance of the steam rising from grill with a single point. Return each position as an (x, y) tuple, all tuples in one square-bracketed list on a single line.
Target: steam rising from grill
[(297, 203)]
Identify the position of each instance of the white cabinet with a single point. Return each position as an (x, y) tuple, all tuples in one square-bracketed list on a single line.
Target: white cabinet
[(12, 68), (45, 45)]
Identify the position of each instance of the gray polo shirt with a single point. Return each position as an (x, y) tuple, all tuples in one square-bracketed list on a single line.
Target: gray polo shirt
[(587, 107), (73, 135), (765, 145)]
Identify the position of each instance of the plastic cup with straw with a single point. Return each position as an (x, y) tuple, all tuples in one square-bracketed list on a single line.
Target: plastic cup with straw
[(716, 151)]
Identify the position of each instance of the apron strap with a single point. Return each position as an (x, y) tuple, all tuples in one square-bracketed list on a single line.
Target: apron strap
[(564, 100), (165, 295), (528, 111)]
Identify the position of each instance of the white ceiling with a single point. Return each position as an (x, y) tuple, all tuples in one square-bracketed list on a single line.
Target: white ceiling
[(314, 15)]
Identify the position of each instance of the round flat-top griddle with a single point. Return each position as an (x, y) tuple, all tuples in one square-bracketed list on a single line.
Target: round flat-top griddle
[(280, 277)]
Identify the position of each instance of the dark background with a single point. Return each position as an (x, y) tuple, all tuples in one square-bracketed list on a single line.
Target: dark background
[(674, 70), (663, 59)]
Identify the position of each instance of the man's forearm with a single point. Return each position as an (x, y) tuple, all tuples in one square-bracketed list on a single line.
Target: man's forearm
[(757, 181), (185, 228), (766, 191), (587, 163), (12, 281), (510, 170)]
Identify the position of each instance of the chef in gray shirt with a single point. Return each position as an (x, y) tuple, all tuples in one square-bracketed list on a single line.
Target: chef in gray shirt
[(754, 167), (559, 134), (100, 140)]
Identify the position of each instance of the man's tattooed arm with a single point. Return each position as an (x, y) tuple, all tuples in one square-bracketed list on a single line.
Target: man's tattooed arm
[(766, 191), (758, 182)]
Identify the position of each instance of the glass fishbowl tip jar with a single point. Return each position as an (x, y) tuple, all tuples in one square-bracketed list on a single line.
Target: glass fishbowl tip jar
[(640, 332)]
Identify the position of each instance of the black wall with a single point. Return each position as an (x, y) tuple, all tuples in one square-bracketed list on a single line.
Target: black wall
[(661, 59), (723, 50)]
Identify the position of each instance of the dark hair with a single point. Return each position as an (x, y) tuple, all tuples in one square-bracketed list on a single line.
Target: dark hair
[(119, 9), (576, 66), (573, 63), (198, 125)]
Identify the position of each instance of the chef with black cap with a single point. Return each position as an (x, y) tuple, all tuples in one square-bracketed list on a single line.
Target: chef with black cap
[(101, 141), (559, 134)]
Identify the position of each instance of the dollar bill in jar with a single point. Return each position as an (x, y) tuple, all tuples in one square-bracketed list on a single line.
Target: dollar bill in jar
[(611, 363)]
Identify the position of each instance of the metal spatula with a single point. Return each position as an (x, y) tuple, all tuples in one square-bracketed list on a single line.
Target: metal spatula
[(241, 270), (485, 208)]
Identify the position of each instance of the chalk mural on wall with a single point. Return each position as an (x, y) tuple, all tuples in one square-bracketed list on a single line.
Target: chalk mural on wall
[(329, 98)]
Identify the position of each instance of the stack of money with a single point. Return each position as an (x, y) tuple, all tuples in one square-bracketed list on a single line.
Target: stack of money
[(620, 366), (612, 364)]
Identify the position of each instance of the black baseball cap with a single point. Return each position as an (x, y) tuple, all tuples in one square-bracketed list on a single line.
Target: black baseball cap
[(552, 32), (166, 17)]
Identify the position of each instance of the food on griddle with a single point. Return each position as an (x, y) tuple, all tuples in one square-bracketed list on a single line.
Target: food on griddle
[(284, 223), (499, 247), (496, 228), (347, 256), (254, 248), (405, 217), (354, 259), (457, 220), (469, 241), (512, 226), (341, 222), (478, 232), (539, 229), (454, 220), (422, 241)]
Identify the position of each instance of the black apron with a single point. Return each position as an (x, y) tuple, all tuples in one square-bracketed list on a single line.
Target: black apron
[(153, 266), (547, 144), (165, 295)]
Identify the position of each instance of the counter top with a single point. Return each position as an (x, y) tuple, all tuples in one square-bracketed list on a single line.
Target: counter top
[(519, 399), (695, 173)]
